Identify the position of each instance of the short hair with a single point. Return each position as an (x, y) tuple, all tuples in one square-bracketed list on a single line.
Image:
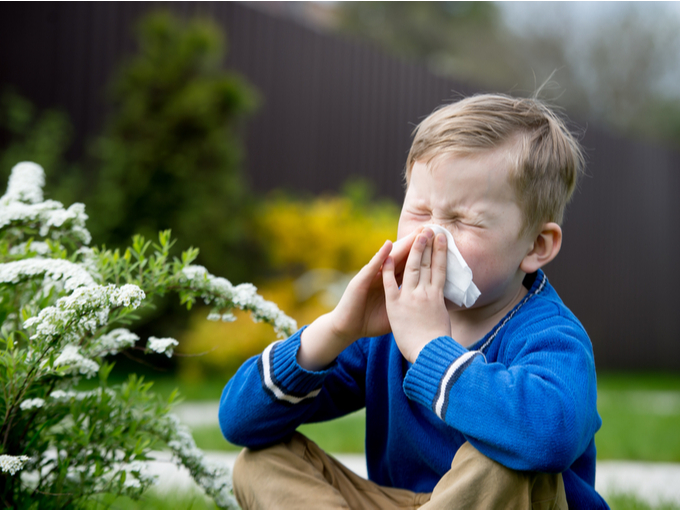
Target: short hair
[(545, 163)]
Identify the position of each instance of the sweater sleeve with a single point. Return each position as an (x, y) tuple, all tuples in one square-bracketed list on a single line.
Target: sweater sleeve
[(533, 410), (271, 395)]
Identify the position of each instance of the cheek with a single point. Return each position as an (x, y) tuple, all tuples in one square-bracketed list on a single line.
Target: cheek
[(483, 261), (405, 227), (474, 257)]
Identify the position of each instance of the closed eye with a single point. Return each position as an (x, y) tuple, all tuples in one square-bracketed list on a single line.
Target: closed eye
[(420, 214)]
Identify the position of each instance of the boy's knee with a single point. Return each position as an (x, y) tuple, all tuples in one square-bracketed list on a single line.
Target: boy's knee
[(476, 481)]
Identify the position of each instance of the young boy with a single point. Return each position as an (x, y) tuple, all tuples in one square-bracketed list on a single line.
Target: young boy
[(490, 405)]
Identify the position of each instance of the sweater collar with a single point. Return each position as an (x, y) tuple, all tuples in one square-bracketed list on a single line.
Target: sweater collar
[(540, 280)]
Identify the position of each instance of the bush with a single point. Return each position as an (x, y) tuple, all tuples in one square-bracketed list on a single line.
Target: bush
[(328, 232), (64, 308)]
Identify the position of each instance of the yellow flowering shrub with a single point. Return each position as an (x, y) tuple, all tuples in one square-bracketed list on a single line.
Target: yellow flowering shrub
[(327, 232), (314, 246)]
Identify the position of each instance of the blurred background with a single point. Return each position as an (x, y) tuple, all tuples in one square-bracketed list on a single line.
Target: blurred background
[(273, 135)]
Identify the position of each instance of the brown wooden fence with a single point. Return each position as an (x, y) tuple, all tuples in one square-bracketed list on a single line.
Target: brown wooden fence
[(334, 108)]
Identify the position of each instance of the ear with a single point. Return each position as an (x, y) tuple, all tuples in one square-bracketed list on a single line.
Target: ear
[(545, 247)]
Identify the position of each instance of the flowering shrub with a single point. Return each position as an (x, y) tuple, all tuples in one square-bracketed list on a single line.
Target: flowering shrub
[(64, 307), (331, 232)]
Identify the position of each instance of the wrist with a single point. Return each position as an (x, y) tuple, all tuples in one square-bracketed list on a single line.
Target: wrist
[(411, 344), (320, 344), (333, 321)]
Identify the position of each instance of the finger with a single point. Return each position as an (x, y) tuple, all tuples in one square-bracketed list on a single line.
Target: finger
[(412, 268), (439, 254), (379, 257), (402, 248), (370, 270), (400, 252), (389, 281), (426, 261)]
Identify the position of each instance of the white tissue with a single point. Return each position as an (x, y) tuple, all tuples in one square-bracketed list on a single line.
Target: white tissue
[(458, 287)]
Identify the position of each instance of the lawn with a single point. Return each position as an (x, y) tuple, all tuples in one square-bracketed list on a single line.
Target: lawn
[(640, 417)]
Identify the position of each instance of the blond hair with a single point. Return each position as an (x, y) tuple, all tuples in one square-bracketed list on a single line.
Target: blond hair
[(546, 158)]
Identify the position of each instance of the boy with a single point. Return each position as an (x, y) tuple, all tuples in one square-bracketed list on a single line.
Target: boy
[(491, 405)]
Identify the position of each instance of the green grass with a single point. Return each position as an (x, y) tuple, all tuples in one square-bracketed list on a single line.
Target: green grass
[(345, 435), (640, 417), (204, 391), (153, 500), (628, 502)]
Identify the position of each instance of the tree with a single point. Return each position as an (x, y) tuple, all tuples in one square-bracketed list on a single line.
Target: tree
[(612, 63), (616, 63), (41, 136), (171, 153)]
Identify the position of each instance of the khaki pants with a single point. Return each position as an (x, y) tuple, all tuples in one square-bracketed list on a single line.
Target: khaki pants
[(298, 474)]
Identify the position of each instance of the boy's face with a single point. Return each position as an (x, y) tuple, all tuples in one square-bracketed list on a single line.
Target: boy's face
[(471, 197)]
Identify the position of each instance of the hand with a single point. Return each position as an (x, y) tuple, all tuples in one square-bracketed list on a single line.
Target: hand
[(361, 311), (417, 312)]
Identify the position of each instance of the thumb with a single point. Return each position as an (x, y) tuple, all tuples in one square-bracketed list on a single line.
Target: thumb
[(371, 271)]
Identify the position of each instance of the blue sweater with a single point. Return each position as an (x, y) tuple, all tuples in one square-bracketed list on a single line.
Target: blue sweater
[(524, 395)]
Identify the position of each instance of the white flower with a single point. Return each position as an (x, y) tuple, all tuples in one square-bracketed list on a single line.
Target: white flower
[(38, 247), (76, 362), (32, 403), (59, 217), (62, 396), (129, 295), (223, 294), (162, 345), (25, 184), (138, 474), (11, 463), (73, 275), (23, 203), (228, 317), (83, 311), (220, 286), (115, 341), (245, 294), (195, 272)]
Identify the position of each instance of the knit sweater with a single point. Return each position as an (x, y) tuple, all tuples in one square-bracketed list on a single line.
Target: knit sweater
[(524, 395)]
